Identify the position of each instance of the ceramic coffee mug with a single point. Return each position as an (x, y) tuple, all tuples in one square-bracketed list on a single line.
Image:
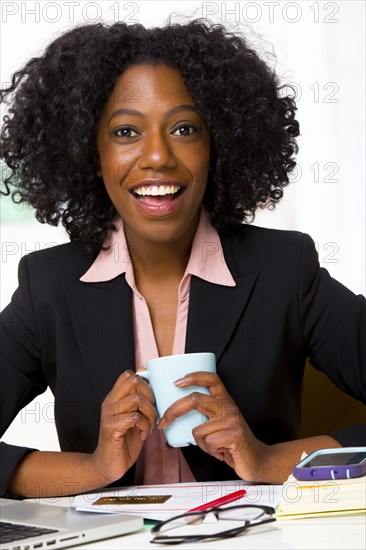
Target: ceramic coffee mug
[(161, 373)]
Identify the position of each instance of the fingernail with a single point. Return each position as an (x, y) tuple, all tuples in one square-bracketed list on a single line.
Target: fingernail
[(162, 424), (143, 435), (180, 382)]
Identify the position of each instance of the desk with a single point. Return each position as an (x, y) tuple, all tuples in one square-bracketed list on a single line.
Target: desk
[(348, 533)]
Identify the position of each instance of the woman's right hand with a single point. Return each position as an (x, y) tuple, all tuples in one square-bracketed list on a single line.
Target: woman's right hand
[(128, 415)]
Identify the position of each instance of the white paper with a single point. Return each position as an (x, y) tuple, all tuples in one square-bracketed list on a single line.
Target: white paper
[(184, 497)]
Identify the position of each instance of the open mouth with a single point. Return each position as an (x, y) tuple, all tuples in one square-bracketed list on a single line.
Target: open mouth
[(157, 194)]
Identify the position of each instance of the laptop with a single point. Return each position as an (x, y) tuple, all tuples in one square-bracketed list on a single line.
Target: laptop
[(52, 527)]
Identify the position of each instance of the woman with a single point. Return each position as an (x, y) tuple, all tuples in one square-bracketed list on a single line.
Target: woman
[(152, 147)]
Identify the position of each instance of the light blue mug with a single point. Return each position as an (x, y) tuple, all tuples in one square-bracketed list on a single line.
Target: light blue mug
[(162, 373)]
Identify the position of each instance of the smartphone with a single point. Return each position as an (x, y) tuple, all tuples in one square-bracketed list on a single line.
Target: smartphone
[(343, 463)]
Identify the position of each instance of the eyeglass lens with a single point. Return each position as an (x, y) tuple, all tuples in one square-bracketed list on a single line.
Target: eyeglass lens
[(236, 515)]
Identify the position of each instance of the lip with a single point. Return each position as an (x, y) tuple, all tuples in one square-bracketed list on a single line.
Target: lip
[(158, 210)]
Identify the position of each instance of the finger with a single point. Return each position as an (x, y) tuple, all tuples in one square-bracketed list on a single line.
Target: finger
[(200, 438), (129, 383), (200, 378), (133, 402), (142, 386), (225, 409), (218, 440), (224, 442), (205, 404), (131, 420), (216, 426)]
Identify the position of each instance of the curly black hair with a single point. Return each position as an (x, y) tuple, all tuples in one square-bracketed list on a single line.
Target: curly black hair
[(48, 139)]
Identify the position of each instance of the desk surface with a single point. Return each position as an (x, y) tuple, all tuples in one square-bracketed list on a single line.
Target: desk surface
[(331, 533)]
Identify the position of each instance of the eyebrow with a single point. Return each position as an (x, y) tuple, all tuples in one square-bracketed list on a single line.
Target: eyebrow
[(134, 112)]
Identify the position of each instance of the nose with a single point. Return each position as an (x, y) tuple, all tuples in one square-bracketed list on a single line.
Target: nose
[(156, 152)]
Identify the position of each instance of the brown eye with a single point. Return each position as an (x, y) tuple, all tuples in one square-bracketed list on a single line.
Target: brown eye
[(125, 132), (185, 130)]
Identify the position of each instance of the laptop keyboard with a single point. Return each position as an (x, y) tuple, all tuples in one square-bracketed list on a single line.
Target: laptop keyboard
[(10, 532)]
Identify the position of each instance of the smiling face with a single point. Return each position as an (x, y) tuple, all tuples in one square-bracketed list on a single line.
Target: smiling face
[(154, 153)]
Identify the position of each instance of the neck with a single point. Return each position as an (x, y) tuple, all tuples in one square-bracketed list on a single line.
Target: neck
[(160, 261)]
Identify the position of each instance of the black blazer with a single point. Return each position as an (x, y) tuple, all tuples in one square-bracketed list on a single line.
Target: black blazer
[(77, 338)]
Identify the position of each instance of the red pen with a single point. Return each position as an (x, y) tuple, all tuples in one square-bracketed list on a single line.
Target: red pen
[(220, 501)]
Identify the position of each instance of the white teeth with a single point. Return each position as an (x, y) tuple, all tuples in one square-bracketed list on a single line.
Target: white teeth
[(156, 190)]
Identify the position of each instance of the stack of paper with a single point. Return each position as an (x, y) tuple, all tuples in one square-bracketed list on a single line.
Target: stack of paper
[(320, 498), (161, 502)]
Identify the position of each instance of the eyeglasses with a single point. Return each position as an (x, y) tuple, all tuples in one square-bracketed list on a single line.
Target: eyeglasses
[(246, 516)]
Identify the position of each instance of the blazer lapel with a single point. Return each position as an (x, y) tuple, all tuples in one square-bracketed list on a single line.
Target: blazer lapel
[(214, 312), (101, 314)]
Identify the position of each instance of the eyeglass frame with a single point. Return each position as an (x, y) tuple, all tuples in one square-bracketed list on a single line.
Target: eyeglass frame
[(229, 533)]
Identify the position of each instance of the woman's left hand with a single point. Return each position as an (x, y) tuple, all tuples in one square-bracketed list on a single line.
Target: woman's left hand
[(225, 435)]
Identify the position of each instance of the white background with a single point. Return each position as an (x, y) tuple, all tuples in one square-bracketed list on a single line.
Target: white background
[(320, 48)]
